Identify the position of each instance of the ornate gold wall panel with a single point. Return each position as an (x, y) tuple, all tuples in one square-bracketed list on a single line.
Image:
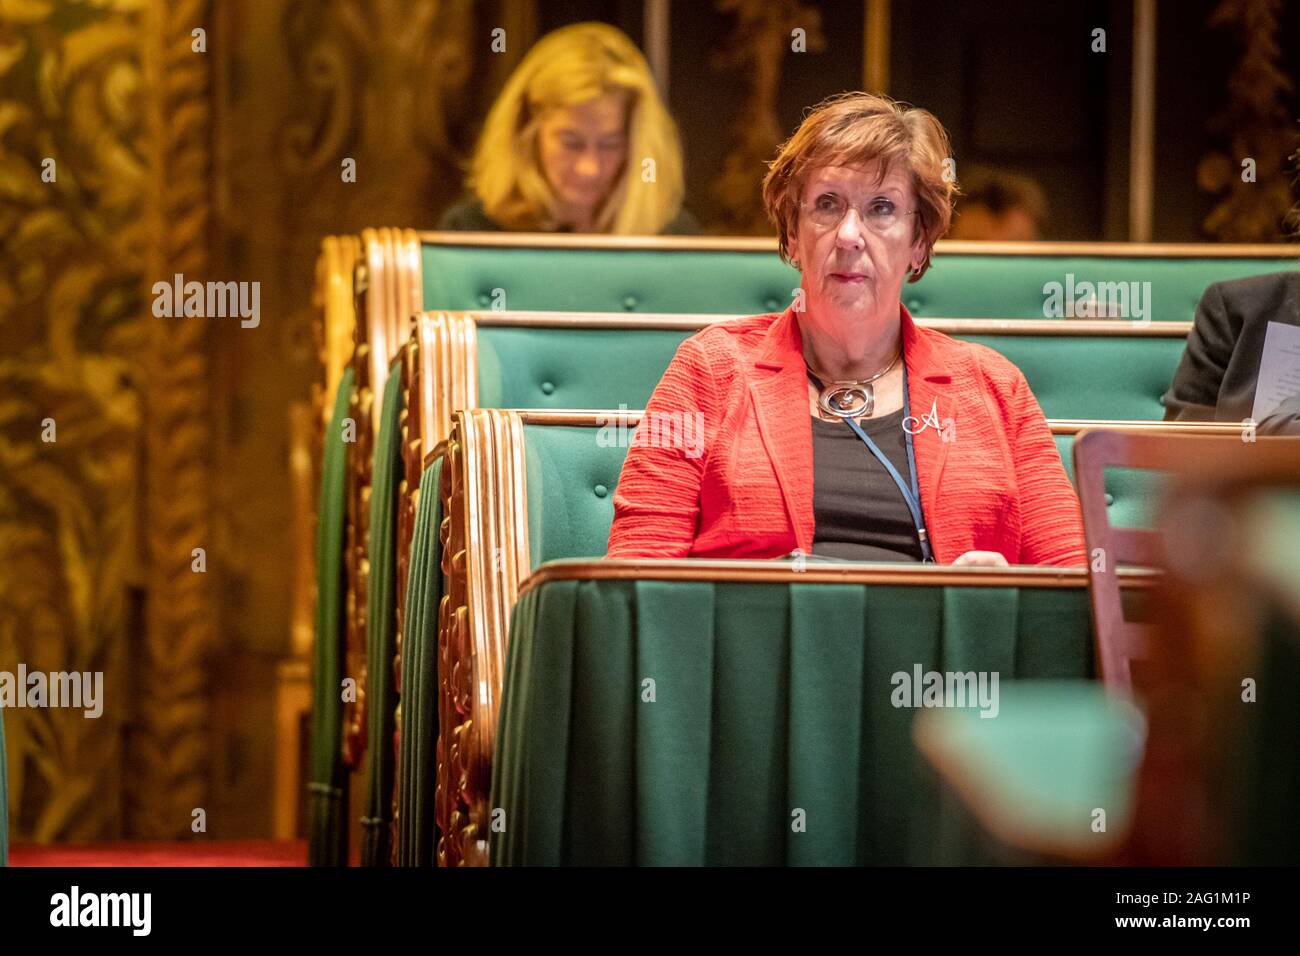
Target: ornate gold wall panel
[(170, 762)]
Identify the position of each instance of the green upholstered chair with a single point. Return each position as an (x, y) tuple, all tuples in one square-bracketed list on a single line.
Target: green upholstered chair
[(418, 709), (381, 698), (576, 748), (328, 797), (1088, 372), (400, 271), (366, 318), (1115, 371), (522, 490), (383, 323), (1081, 371), (453, 361)]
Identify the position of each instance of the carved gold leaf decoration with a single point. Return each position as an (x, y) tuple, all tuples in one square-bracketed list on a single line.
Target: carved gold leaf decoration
[(70, 263), (758, 47), (172, 776), (1259, 129)]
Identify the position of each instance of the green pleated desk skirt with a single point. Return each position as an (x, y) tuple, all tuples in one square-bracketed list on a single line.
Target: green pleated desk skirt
[(704, 723)]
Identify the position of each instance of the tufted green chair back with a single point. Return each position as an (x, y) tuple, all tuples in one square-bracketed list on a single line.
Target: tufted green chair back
[(745, 277), (572, 471), (1112, 376)]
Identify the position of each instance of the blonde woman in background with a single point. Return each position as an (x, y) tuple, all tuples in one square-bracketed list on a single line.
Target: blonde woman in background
[(578, 141)]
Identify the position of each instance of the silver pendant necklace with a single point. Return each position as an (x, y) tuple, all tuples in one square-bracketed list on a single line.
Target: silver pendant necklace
[(850, 399)]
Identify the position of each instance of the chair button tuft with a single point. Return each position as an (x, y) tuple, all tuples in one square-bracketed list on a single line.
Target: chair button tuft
[(601, 491), (484, 299), (914, 305), (1110, 499), (548, 388), (771, 303), (630, 302)]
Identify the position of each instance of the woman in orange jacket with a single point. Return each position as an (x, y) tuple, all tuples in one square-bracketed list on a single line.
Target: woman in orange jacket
[(838, 427)]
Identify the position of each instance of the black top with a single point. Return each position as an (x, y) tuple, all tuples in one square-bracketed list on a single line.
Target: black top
[(1216, 378), (468, 216), (860, 512)]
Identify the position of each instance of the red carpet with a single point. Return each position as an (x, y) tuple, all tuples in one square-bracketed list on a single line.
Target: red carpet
[(214, 853)]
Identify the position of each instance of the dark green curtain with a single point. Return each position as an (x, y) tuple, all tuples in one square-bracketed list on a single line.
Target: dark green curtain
[(328, 839), (381, 596), (768, 735), (417, 831)]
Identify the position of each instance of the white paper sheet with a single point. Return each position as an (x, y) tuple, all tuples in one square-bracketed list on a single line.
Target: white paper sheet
[(1279, 369)]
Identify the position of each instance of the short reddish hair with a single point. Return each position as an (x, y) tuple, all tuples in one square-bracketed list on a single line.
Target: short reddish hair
[(855, 129)]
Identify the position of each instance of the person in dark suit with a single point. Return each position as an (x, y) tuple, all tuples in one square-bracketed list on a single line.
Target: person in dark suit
[(1216, 378)]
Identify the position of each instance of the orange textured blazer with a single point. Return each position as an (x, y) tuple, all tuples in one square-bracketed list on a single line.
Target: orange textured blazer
[(746, 490)]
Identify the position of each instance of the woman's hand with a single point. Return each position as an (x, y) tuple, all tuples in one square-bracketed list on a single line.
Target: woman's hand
[(981, 559)]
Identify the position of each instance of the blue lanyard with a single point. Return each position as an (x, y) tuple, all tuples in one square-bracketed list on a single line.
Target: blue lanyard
[(912, 495)]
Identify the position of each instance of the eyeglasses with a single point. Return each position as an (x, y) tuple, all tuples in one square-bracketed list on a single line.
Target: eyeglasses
[(829, 209)]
